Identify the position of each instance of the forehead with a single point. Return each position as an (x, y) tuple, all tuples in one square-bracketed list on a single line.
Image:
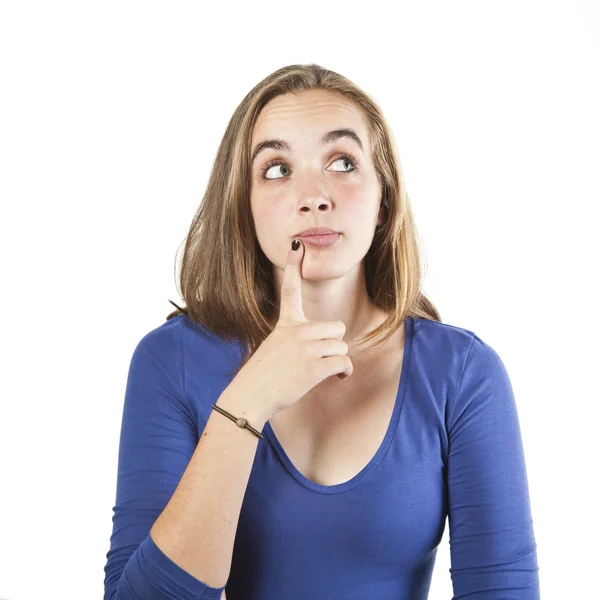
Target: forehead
[(310, 111)]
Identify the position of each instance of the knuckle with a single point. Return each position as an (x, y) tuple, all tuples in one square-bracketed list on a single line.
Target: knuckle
[(304, 349), (313, 369)]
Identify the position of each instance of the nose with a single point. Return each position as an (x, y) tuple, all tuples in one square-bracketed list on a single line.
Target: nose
[(315, 203), (321, 208)]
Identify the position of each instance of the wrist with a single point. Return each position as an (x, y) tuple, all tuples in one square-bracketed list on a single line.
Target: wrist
[(242, 407)]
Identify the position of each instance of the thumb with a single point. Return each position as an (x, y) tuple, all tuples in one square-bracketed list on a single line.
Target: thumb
[(290, 305)]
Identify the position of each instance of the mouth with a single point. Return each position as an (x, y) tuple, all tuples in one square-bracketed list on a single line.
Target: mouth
[(320, 241), (320, 230)]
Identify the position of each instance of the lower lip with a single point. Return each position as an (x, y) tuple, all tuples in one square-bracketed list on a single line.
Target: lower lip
[(320, 240)]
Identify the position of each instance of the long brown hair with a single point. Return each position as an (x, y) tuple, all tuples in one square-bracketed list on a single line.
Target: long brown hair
[(227, 281)]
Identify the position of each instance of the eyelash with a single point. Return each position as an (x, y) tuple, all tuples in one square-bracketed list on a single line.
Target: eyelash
[(272, 163)]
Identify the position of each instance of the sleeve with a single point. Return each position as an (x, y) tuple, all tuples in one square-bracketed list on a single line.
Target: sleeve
[(158, 438), (492, 542)]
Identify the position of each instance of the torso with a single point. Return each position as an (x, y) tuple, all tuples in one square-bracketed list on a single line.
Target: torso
[(332, 433)]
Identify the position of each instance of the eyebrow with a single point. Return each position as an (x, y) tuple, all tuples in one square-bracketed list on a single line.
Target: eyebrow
[(326, 138)]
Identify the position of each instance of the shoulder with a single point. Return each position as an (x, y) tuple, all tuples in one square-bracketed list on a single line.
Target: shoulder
[(180, 340), (441, 340), (202, 345), (158, 359), (452, 352), (168, 335), (469, 370), (180, 333), (448, 336)]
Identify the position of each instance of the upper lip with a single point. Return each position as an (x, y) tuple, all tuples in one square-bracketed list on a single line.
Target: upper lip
[(316, 231)]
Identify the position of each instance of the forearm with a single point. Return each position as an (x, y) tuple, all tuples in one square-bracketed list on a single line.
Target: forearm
[(197, 528)]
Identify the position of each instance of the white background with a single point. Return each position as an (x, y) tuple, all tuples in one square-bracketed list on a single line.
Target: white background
[(110, 117)]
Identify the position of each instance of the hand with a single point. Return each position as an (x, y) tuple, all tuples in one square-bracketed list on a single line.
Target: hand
[(297, 355)]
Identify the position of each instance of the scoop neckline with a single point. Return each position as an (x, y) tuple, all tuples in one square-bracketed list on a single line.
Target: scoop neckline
[(269, 433)]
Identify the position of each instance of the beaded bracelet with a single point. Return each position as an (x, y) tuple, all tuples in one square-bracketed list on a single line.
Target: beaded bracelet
[(242, 423)]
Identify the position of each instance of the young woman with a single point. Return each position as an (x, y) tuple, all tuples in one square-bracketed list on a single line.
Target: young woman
[(304, 426)]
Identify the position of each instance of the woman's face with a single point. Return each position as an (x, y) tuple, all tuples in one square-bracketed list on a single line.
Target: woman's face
[(315, 184)]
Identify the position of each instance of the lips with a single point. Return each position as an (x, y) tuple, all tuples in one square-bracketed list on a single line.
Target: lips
[(313, 231), (320, 241)]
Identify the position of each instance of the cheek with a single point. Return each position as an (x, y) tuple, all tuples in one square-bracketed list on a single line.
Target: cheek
[(261, 213), (364, 197), (358, 204), (269, 223), (275, 215)]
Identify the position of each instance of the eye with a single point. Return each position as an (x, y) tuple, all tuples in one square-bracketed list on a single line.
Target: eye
[(275, 163)]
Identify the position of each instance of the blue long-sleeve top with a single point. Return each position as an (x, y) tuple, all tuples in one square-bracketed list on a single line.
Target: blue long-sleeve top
[(453, 448)]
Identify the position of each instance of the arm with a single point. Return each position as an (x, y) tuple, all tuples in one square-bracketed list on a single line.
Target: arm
[(198, 526), (492, 543), (178, 499)]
